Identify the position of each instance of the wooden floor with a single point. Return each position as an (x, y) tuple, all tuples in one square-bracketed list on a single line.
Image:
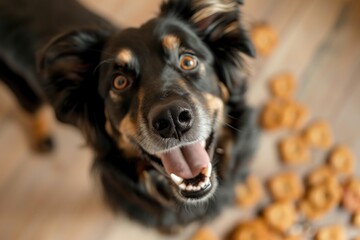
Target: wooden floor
[(54, 197)]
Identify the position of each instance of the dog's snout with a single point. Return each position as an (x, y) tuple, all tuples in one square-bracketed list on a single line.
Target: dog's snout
[(171, 120)]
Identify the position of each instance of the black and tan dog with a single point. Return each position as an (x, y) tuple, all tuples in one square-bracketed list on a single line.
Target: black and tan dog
[(162, 105)]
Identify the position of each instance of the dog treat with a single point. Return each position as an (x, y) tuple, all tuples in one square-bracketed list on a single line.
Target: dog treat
[(264, 38), (279, 114), (318, 135), (293, 150), (272, 116), (205, 233), (356, 220), (286, 187), (309, 211), (326, 195), (280, 215), (248, 193), (293, 115), (283, 85), (341, 160), (320, 199), (251, 230), (320, 175), (255, 229), (335, 232), (293, 238), (351, 196)]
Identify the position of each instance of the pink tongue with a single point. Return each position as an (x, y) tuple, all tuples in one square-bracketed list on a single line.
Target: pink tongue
[(186, 162)]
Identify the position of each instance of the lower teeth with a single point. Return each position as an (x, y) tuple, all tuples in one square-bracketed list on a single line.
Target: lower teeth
[(191, 188)]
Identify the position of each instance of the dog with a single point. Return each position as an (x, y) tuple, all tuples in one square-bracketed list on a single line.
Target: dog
[(163, 105)]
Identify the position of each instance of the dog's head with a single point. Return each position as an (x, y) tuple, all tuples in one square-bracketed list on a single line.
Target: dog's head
[(158, 91)]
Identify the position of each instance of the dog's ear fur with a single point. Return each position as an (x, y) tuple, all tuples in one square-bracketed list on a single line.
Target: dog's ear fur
[(67, 67), (218, 23)]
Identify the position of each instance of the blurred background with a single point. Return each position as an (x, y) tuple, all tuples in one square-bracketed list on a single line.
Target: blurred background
[(53, 196)]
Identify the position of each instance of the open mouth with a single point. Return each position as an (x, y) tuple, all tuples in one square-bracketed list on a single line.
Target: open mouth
[(189, 167)]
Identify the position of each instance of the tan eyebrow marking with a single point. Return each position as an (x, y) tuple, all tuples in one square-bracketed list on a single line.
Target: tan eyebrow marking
[(125, 56), (208, 8), (171, 42), (231, 28)]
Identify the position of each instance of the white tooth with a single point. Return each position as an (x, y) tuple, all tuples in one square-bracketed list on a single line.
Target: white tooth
[(189, 188), (198, 188), (182, 186), (207, 181), (176, 179), (207, 171), (203, 144), (202, 185)]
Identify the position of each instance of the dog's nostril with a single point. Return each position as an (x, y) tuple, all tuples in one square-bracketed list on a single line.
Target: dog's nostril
[(185, 117), (161, 124)]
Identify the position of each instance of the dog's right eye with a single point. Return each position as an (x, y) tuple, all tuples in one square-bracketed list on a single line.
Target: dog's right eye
[(121, 82), (188, 62)]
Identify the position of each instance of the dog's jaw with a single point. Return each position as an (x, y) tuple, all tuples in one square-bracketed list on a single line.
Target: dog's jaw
[(198, 188)]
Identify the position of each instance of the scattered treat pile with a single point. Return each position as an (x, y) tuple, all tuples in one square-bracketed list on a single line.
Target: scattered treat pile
[(297, 202)]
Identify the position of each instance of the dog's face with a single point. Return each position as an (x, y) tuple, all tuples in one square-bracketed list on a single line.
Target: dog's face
[(162, 88), (163, 98)]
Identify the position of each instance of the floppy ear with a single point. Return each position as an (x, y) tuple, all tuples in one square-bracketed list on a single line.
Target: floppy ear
[(218, 23), (67, 67)]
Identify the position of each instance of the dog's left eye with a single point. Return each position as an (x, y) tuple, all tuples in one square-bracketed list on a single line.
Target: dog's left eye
[(120, 82), (188, 62)]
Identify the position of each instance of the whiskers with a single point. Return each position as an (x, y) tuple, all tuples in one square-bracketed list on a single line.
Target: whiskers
[(192, 206), (229, 125)]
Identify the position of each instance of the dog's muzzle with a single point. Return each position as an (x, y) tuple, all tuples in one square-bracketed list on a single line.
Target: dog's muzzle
[(188, 164)]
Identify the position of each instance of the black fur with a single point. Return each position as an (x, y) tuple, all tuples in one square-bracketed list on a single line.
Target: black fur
[(72, 47)]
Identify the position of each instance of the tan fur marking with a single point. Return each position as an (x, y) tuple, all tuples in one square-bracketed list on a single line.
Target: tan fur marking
[(208, 8), (182, 83), (42, 123), (224, 91), (214, 104), (125, 56), (128, 149), (171, 42), (231, 28), (127, 128), (115, 97), (108, 127), (141, 95), (202, 70)]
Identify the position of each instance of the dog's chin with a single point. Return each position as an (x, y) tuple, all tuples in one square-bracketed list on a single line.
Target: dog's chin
[(198, 188)]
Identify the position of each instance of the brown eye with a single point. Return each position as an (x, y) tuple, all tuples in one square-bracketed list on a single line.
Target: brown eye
[(188, 62), (121, 82)]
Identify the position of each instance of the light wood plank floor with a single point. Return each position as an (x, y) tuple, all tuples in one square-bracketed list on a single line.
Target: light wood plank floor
[(54, 197)]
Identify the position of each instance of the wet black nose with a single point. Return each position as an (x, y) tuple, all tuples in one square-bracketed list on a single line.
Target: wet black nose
[(171, 120)]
